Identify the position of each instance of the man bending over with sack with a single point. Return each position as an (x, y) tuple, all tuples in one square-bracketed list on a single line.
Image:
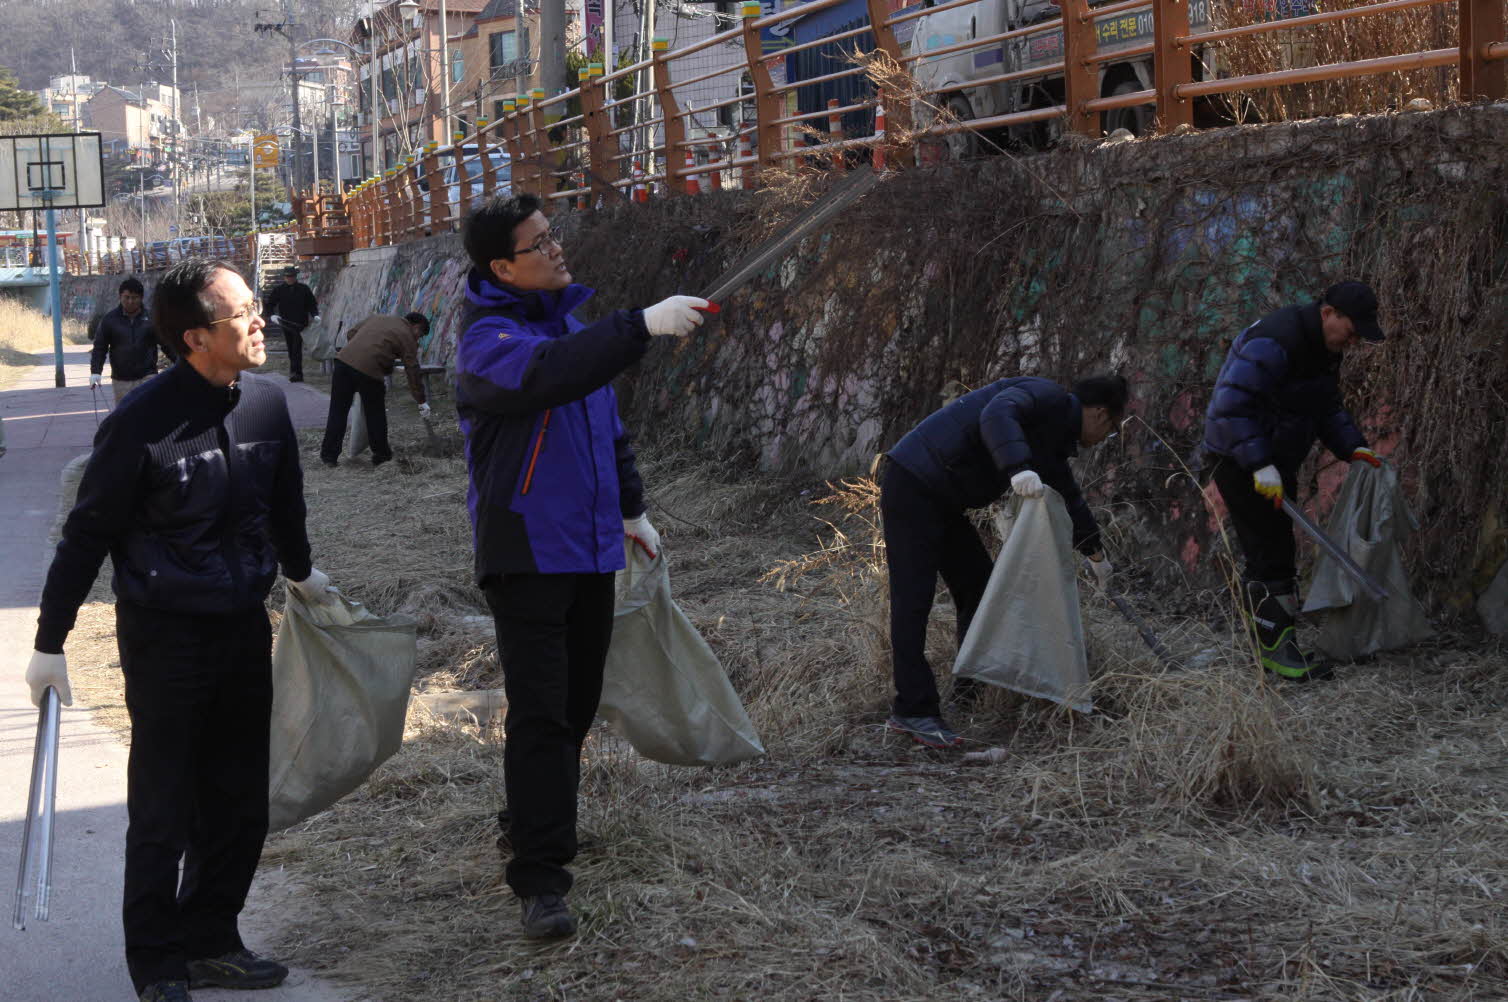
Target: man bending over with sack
[(554, 490), (1015, 433), (194, 490)]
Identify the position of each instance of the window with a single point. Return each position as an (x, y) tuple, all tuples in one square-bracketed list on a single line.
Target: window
[(457, 66), (504, 48), (389, 88)]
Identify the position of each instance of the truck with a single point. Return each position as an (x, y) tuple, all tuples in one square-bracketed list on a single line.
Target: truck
[(951, 76)]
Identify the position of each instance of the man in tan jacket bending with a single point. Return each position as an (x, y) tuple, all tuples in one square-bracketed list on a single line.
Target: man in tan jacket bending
[(374, 346)]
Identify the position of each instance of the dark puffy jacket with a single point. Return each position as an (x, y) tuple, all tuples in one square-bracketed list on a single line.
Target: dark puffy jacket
[(293, 304), (129, 343), (196, 493), (967, 452), (1278, 389), (552, 472)]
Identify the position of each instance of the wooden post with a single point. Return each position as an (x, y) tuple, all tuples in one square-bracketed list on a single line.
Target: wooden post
[(677, 157), (1080, 79), (439, 198), (1482, 23), (542, 152), (897, 106), (767, 103), (1172, 63), (600, 146), (483, 162)]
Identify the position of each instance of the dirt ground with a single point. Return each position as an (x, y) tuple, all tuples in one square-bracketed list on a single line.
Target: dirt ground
[(1203, 835)]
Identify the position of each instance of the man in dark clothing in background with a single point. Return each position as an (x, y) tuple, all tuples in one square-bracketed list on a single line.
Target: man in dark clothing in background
[(294, 305), (1015, 433), (1278, 390), (125, 337), (552, 475), (375, 346), (194, 490)]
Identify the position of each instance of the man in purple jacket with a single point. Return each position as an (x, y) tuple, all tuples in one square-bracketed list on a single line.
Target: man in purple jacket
[(554, 491)]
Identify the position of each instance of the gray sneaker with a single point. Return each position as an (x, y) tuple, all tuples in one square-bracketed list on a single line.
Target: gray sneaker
[(547, 917), (166, 991), (928, 731)]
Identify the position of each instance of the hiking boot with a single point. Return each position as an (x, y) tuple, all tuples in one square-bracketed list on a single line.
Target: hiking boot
[(547, 917), (166, 991), (237, 969), (1272, 608), (928, 731)]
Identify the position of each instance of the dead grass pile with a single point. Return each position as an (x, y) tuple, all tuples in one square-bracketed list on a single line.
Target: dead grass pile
[(26, 337)]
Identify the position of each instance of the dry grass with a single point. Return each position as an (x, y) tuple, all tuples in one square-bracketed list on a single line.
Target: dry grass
[(26, 338), (1204, 836)]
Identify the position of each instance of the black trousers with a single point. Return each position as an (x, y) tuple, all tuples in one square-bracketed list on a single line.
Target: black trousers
[(553, 632), (925, 537), (293, 335), (1264, 532), (199, 692), (346, 384)]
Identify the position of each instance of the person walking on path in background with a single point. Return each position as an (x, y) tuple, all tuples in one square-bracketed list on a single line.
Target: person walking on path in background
[(124, 336), (1278, 390), (361, 368), (194, 490), (293, 303), (554, 491), (1015, 433)]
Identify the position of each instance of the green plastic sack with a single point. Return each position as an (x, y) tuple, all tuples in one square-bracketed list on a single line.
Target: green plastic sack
[(663, 688), (1028, 634), (1370, 521), (341, 678)]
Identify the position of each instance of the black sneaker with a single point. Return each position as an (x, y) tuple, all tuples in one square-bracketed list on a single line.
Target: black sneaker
[(547, 917), (331, 463), (928, 731), (237, 969), (296, 379), (166, 991)]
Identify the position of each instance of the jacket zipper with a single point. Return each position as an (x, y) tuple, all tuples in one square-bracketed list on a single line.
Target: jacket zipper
[(539, 441)]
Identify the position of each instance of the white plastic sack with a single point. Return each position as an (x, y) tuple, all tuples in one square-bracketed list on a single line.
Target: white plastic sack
[(1028, 634), (1370, 521), (663, 688), (356, 438), (341, 678)]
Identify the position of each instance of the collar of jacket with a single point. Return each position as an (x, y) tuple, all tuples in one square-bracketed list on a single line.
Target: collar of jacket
[(200, 392), (536, 306), (1311, 326), (140, 314)]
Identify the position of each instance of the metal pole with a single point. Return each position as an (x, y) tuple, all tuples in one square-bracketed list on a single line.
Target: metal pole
[(334, 137), (54, 291), (1337, 552), (373, 83), (256, 243), (174, 128), (40, 800), (445, 77)]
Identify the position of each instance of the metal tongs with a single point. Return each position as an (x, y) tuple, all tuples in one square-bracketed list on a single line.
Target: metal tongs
[(36, 838)]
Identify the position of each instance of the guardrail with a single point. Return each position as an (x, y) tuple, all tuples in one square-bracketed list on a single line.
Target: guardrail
[(574, 148)]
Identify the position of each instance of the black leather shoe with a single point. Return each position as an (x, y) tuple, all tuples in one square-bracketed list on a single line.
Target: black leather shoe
[(547, 917), (237, 969), (166, 991), (295, 379)]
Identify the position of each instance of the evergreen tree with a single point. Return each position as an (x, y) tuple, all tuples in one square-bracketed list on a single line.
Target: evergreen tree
[(16, 103)]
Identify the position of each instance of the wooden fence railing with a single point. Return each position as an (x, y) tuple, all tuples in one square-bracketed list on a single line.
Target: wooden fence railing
[(587, 145)]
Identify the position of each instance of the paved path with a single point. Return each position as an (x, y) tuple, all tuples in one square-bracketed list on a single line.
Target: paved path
[(77, 956)]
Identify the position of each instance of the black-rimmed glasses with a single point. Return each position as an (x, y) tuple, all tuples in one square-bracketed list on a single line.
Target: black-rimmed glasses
[(549, 238)]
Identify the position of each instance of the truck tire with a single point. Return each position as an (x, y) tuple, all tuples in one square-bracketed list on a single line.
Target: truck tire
[(1138, 119), (961, 145)]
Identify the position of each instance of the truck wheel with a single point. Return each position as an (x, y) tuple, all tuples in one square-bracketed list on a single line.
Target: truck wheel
[(1137, 120), (961, 145)]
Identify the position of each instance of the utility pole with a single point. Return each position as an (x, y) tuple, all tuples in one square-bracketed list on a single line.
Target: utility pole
[(552, 47), (374, 81), (286, 27), (445, 78)]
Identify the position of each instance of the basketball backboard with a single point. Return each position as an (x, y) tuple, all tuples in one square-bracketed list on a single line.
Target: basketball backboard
[(67, 165)]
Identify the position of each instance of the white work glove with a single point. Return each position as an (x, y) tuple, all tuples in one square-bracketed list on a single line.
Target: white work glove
[(94, 378), (1101, 569), (1269, 483), (314, 319), (424, 409), (45, 670), (676, 316), (644, 534), (314, 589), (1027, 484)]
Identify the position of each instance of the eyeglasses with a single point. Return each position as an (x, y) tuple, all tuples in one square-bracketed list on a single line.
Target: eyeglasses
[(250, 310), (552, 238)]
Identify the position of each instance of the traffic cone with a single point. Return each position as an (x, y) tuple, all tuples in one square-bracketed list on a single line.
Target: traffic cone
[(641, 193), (715, 179), (746, 152), (879, 134), (581, 191), (693, 186)]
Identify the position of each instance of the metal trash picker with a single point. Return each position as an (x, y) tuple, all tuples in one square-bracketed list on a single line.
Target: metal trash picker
[(1134, 618), (1343, 559), (36, 837)]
